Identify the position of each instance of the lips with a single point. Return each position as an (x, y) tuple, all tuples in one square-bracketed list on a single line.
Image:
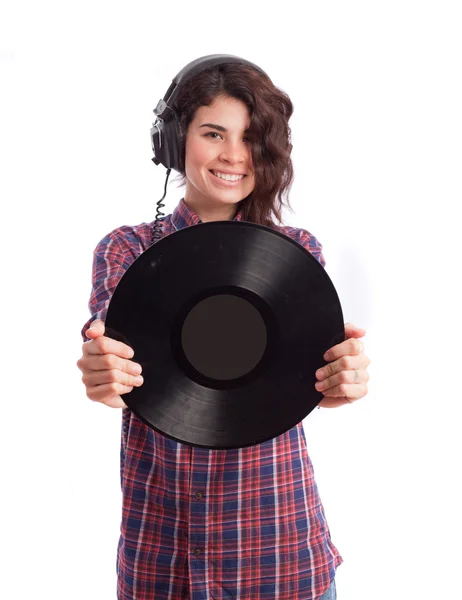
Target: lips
[(214, 171)]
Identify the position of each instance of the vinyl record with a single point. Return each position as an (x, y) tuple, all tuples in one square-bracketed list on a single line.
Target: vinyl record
[(229, 321)]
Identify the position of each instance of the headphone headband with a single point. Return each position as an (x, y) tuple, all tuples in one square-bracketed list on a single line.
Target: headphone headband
[(212, 60)]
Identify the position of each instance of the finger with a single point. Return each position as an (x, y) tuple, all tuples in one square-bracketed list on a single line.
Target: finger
[(94, 378), (106, 345), (353, 331), (351, 391), (108, 393), (350, 346), (95, 330), (345, 363), (333, 402), (102, 362), (116, 402), (354, 376)]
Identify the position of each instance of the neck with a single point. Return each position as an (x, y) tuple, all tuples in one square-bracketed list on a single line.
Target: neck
[(211, 212)]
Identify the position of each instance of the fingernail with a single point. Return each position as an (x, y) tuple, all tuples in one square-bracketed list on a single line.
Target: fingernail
[(139, 380), (319, 373), (319, 385), (326, 356), (136, 369)]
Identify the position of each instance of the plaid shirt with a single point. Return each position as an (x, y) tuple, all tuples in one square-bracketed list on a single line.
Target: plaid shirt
[(212, 524)]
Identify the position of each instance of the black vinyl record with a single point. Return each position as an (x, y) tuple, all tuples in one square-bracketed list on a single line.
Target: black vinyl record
[(229, 321)]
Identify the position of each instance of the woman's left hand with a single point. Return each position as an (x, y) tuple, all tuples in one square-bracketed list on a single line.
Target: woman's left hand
[(344, 379)]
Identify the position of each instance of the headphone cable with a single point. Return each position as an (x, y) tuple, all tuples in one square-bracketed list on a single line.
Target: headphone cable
[(157, 229)]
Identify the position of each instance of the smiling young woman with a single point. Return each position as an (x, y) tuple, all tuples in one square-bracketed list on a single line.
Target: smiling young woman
[(198, 523)]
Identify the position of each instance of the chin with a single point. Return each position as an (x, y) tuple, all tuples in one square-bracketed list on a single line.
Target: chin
[(228, 200)]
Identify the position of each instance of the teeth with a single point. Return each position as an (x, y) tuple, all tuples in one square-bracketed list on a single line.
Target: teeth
[(227, 177)]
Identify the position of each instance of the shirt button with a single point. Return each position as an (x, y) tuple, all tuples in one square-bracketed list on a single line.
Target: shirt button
[(198, 495), (197, 551)]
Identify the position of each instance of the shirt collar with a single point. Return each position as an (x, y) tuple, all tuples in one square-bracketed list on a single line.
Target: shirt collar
[(184, 216)]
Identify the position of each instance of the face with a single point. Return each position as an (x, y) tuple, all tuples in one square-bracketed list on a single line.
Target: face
[(218, 159)]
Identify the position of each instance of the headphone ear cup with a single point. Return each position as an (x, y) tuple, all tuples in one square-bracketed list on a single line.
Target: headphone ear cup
[(166, 143), (173, 136)]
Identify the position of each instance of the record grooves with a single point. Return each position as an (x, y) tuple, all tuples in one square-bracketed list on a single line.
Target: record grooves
[(229, 321)]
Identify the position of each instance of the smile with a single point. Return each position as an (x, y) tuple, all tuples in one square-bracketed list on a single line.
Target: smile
[(227, 176)]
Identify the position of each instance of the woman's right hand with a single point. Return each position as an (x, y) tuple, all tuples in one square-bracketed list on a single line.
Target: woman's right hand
[(107, 369)]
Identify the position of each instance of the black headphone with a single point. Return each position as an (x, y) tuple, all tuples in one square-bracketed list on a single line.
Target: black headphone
[(165, 131)]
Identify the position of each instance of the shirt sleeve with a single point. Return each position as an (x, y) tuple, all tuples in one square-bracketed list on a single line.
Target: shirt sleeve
[(310, 243), (109, 264)]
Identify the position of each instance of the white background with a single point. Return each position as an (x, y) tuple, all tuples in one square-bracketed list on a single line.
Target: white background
[(377, 133)]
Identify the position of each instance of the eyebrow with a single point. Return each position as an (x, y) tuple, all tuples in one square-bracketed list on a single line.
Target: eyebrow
[(218, 127)]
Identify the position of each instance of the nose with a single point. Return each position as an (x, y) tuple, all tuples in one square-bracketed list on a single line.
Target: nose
[(234, 152)]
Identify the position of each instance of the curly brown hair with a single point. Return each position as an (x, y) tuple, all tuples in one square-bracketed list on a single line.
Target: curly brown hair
[(269, 133)]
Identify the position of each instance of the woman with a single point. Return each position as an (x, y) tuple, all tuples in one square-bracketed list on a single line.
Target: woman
[(199, 523)]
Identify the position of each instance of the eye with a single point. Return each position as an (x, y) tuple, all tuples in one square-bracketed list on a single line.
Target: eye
[(212, 133)]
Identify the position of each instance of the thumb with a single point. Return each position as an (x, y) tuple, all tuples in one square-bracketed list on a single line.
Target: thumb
[(351, 331), (95, 330)]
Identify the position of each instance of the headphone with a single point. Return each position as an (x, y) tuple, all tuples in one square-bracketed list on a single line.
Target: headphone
[(165, 131)]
